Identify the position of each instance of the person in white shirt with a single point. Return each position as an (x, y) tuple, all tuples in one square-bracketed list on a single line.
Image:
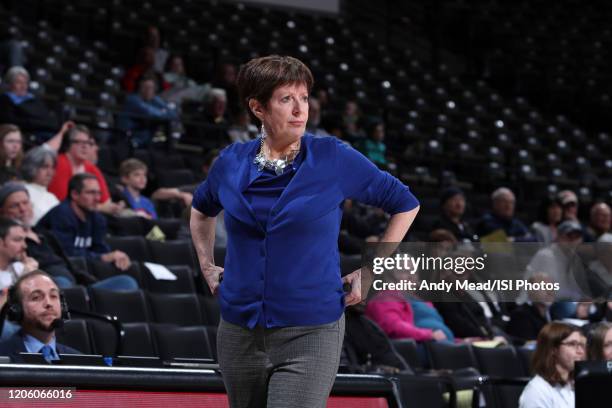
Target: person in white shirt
[(559, 346), (14, 260), (38, 168)]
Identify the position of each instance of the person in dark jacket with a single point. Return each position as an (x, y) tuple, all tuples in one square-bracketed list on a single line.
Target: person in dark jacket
[(80, 229), (34, 302), (452, 203), (19, 107)]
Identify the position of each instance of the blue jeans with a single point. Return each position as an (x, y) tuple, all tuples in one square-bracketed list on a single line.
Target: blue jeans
[(118, 282)]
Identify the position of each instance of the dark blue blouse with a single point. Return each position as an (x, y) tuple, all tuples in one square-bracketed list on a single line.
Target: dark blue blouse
[(284, 269)]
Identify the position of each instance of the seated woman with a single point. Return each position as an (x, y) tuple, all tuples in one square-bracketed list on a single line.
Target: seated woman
[(405, 315), (37, 170), (549, 216), (373, 147), (559, 346), (600, 342), (11, 149), (73, 159), (21, 108)]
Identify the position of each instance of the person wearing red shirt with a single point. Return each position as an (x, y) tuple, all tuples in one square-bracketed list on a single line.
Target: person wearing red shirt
[(73, 160)]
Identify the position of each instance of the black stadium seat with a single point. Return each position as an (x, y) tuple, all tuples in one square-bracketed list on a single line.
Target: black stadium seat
[(176, 308), (74, 333), (184, 283), (137, 340), (172, 252), (76, 298), (134, 246), (182, 342), (127, 306)]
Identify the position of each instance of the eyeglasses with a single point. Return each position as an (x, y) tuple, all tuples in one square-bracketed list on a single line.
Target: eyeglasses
[(83, 142), (575, 344)]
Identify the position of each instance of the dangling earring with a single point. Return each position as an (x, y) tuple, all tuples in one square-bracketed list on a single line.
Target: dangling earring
[(263, 132)]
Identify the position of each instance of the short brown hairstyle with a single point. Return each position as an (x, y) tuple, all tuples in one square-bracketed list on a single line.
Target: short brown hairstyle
[(596, 341), (259, 77), (544, 358), (130, 165)]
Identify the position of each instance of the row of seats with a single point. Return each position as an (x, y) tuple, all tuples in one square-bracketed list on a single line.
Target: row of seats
[(166, 341), (184, 309), (507, 368)]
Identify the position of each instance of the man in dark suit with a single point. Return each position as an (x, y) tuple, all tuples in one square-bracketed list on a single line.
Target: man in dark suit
[(34, 302)]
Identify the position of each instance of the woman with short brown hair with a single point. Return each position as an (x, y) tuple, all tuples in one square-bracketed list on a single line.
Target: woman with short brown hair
[(281, 297), (559, 346)]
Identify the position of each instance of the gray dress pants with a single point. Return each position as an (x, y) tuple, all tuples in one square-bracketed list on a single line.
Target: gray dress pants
[(279, 367)]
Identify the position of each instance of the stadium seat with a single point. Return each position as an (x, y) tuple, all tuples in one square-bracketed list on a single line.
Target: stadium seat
[(172, 252), (210, 310), (127, 306), (76, 298), (74, 333), (182, 342), (134, 246), (176, 308), (137, 340), (184, 283)]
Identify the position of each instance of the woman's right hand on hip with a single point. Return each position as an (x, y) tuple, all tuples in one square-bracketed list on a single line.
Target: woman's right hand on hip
[(213, 275)]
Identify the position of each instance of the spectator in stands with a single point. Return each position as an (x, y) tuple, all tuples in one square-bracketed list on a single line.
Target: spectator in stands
[(143, 67), (225, 78), (181, 87), (561, 264), (600, 342), (352, 119), (332, 124), (452, 203), (11, 49), (569, 201), (600, 279), (11, 147), (133, 173), (79, 227), (600, 221), (38, 170), (14, 260), (34, 303), (144, 113), (472, 315), (214, 108), (393, 311), (559, 346), (15, 203), (242, 130), (21, 108), (314, 118), (549, 216), (527, 319), (502, 220), (152, 39), (373, 145), (73, 159)]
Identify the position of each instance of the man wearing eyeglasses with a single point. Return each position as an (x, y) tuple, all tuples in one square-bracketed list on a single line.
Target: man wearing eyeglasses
[(79, 227)]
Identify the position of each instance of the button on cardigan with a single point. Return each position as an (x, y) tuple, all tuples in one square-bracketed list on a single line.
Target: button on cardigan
[(288, 272)]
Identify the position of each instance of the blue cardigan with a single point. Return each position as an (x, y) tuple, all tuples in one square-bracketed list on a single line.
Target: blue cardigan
[(289, 272)]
